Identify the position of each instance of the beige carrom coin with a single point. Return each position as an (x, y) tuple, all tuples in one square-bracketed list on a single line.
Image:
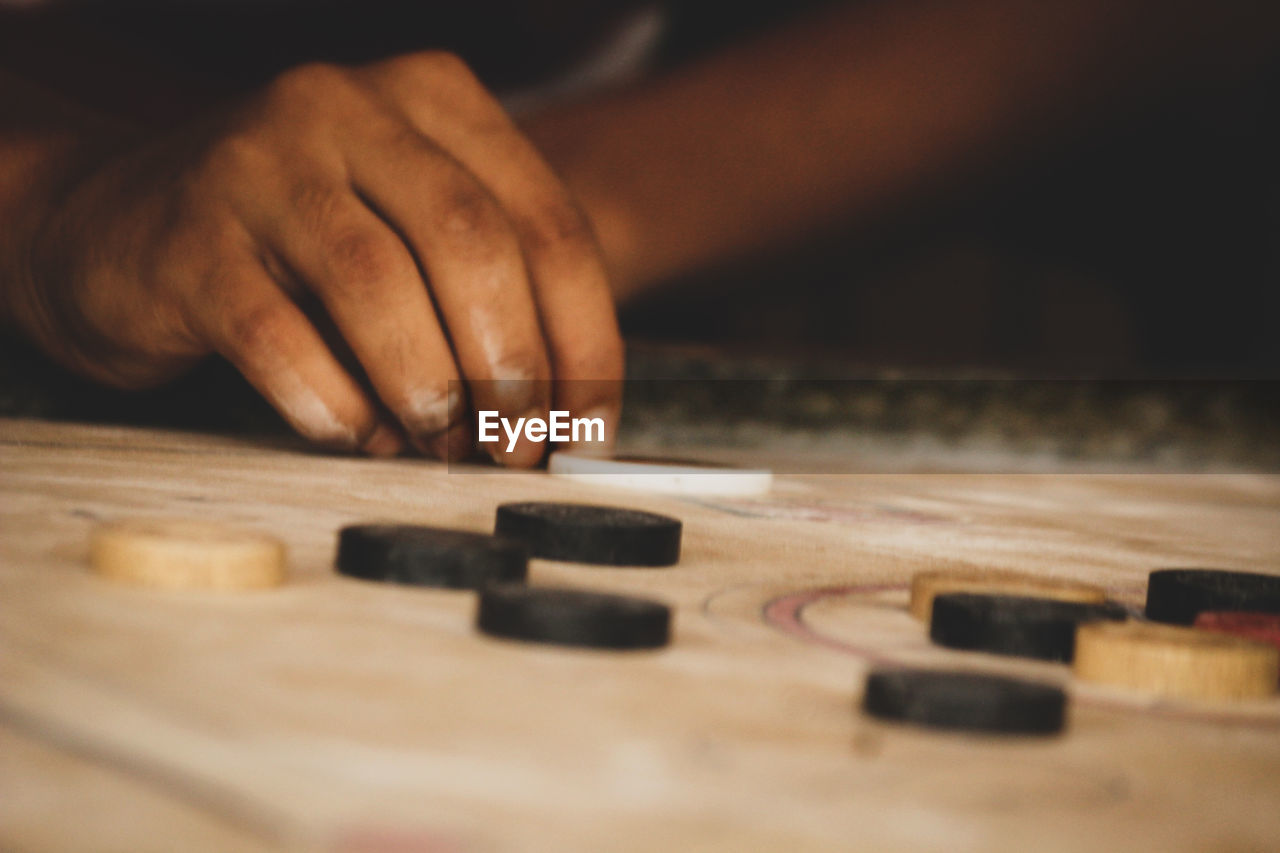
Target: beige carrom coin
[(925, 585), (186, 554), (1175, 661)]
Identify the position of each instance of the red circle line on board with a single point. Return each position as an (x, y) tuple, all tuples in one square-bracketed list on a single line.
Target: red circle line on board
[(1261, 626), (786, 614)]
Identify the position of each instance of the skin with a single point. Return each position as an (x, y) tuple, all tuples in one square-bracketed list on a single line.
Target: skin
[(849, 115), (353, 240), (396, 201)]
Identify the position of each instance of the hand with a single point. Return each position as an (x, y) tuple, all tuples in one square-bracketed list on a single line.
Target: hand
[(399, 198)]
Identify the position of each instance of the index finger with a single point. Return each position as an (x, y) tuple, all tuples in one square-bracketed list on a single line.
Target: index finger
[(567, 274)]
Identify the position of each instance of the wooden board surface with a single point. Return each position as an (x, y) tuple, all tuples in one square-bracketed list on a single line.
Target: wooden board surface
[(339, 715)]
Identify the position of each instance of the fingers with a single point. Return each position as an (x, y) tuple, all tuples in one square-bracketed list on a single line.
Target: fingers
[(246, 318), (577, 315), (567, 276), (441, 246), (438, 242), (473, 259), (371, 288)]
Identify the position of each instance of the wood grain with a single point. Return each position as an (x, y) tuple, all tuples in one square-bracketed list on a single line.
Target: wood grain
[(1170, 660), (186, 553), (925, 586), (335, 714)]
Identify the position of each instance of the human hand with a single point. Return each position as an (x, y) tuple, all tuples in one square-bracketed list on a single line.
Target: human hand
[(399, 198)]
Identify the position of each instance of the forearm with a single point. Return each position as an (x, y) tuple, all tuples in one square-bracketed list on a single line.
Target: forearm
[(861, 107), (44, 142)]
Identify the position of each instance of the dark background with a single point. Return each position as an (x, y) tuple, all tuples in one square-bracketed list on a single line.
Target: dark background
[(1150, 247)]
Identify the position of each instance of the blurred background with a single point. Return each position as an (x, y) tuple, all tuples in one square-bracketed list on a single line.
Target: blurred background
[(1146, 247)]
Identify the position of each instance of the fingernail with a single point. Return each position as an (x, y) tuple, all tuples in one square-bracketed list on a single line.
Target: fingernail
[(383, 442), (313, 418), (609, 416), (524, 394), (526, 451), (497, 450), (452, 445), (430, 411)]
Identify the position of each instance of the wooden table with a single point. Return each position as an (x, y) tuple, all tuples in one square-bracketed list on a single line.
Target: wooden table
[(335, 714)]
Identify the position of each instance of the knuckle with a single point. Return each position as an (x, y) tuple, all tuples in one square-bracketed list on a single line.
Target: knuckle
[(309, 81), (443, 63), (257, 330), (217, 237), (443, 79), (318, 208), (362, 259), (237, 153), (470, 215), (207, 238), (559, 228)]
